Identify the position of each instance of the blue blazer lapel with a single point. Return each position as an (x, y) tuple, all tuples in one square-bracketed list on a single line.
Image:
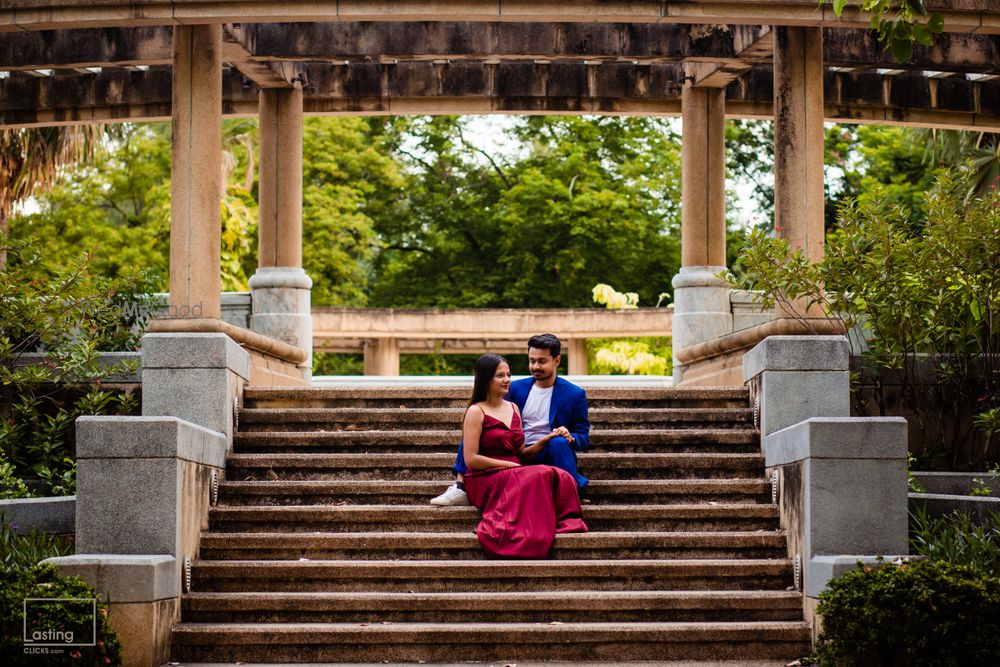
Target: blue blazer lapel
[(557, 394)]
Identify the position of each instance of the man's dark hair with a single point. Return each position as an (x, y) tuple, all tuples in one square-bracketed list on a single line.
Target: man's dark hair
[(546, 342)]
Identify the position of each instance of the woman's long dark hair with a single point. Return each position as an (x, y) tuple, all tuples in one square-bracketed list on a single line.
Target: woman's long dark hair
[(485, 369)]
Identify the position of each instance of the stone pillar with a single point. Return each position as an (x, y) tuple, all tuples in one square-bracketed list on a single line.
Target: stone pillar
[(578, 356), (196, 172), (798, 138), (280, 287), (701, 299), (382, 356)]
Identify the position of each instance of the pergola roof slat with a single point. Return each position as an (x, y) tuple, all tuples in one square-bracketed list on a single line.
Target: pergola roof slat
[(484, 87)]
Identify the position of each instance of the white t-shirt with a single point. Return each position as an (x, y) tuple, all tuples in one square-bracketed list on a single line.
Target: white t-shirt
[(535, 416)]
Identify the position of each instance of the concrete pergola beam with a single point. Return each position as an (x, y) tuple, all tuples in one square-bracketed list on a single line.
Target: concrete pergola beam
[(518, 87), (382, 334), (753, 48), (269, 44), (331, 324), (960, 15), (264, 74)]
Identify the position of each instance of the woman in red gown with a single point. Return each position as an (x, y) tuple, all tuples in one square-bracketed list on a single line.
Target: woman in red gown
[(523, 506)]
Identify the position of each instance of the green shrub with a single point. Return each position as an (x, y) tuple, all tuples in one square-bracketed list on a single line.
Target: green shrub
[(25, 550), (69, 318), (919, 613), (956, 539), (11, 486), (43, 581), (922, 292)]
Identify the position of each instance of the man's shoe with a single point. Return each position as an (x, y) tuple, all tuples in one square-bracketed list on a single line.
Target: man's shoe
[(452, 496)]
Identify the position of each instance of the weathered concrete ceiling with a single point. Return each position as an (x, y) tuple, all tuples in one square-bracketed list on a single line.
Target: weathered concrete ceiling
[(386, 42), (504, 87), (981, 16)]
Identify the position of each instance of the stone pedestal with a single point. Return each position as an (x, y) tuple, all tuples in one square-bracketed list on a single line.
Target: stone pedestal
[(144, 484), (198, 377), (840, 480), (701, 309), (843, 492), (282, 310), (144, 592), (798, 377)]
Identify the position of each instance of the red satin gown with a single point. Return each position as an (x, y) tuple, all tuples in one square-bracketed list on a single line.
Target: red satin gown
[(523, 508)]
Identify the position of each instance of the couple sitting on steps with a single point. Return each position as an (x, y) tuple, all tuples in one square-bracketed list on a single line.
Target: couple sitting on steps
[(517, 458)]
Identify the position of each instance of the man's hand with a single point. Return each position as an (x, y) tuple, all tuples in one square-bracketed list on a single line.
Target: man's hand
[(564, 432)]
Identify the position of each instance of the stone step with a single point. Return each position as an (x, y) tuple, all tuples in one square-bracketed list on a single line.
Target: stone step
[(406, 492), (742, 440), (423, 467), (486, 575), (441, 642), (426, 518), (458, 397), (480, 607), (465, 546), (355, 419)]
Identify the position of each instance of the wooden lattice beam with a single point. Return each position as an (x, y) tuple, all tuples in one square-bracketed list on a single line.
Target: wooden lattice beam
[(960, 15), (411, 87), (264, 45)]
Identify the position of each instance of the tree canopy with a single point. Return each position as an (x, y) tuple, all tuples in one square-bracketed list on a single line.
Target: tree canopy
[(426, 212)]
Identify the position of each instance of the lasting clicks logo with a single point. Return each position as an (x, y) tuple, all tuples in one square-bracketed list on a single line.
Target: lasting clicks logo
[(61, 622)]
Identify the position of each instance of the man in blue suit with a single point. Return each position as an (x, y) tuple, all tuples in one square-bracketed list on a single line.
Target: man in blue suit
[(553, 416)]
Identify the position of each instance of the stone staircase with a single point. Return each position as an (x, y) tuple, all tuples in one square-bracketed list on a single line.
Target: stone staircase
[(323, 546)]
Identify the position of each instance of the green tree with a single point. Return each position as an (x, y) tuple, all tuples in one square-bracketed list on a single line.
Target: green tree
[(592, 200), (32, 158), (116, 205), (350, 184)]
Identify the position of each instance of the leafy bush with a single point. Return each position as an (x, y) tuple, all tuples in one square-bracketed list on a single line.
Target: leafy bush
[(25, 550), (43, 581), (957, 539), (69, 318), (11, 486), (629, 356), (916, 289), (919, 613)]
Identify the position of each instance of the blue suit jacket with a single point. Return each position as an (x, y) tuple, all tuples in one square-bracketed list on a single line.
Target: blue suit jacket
[(568, 408)]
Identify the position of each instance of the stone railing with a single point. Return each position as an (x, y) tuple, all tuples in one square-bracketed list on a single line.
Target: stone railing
[(840, 481), (712, 355), (385, 333), (144, 484), (272, 323)]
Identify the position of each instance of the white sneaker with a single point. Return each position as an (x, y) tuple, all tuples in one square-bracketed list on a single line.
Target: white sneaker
[(452, 496)]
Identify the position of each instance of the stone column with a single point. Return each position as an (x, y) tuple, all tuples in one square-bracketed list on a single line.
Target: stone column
[(280, 288), (382, 356), (798, 138), (701, 300), (196, 172), (577, 349)]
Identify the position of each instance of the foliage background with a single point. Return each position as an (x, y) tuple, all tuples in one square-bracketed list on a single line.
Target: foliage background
[(426, 212)]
